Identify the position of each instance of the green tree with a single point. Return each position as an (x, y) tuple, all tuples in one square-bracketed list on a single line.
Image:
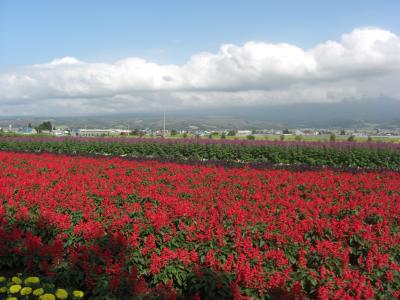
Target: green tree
[(232, 133), (332, 137), (134, 132), (44, 126), (251, 137)]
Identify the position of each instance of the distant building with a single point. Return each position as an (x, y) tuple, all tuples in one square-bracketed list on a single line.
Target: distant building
[(28, 130), (11, 129), (95, 132), (299, 132), (243, 132), (60, 132), (100, 132)]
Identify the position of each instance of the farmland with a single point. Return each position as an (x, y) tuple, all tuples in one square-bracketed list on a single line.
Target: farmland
[(370, 155), (122, 229)]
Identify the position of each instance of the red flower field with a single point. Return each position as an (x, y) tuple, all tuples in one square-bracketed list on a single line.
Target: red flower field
[(119, 226)]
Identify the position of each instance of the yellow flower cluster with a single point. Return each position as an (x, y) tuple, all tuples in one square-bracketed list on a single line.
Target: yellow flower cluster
[(30, 288)]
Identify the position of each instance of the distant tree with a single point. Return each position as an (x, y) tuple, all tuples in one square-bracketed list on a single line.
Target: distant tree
[(251, 137), (223, 136), (210, 136), (44, 126), (282, 137), (342, 132), (254, 131), (174, 132), (369, 139), (332, 137), (48, 126), (298, 138), (185, 135), (351, 138), (134, 132), (231, 132), (286, 131)]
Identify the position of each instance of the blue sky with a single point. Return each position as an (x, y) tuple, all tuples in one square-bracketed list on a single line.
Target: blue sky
[(38, 31), (92, 57)]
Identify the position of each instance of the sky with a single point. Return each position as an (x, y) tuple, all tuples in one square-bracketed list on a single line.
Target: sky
[(89, 57)]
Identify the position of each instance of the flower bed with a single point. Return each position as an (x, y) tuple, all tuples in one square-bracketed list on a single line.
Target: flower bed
[(32, 287), (334, 154), (123, 228)]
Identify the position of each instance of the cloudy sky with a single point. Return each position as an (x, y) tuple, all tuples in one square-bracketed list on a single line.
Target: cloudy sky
[(68, 58)]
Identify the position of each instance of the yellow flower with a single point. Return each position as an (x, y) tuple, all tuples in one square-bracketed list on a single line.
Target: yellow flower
[(3, 289), (2, 279), (61, 294), (47, 297), (78, 294), (15, 288), (16, 280), (31, 280), (38, 292), (26, 291)]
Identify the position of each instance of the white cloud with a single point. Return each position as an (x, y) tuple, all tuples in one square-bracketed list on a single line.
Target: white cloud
[(363, 63), (65, 61)]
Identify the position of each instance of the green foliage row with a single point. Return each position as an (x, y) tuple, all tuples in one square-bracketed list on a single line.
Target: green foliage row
[(363, 157)]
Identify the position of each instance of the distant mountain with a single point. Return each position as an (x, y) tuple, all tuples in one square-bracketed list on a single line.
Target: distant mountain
[(383, 113)]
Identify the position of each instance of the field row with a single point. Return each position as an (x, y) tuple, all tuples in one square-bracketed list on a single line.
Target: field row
[(119, 228), (332, 154)]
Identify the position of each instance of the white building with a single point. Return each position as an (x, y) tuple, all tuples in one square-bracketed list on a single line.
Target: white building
[(243, 132), (101, 132), (60, 132)]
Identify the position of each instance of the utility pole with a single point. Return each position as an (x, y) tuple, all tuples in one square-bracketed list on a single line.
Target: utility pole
[(164, 126)]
